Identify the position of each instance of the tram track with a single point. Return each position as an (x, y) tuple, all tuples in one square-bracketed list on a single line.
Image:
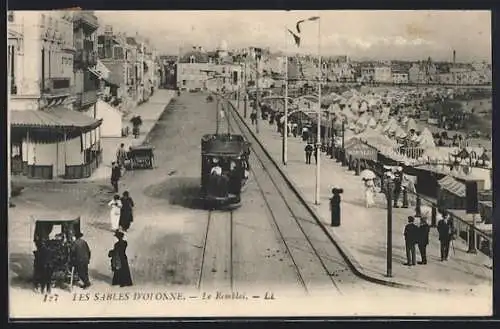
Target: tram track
[(216, 270), (316, 262)]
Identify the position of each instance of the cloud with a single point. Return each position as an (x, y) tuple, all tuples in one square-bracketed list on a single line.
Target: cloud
[(365, 33)]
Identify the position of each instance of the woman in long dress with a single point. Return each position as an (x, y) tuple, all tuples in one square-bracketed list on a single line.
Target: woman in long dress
[(369, 193), (114, 212), (119, 262), (126, 212)]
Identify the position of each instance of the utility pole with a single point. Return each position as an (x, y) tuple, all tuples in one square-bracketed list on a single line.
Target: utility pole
[(9, 145), (217, 107), (257, 100), (285, 124), (318, 130), (245, 99), (389, 191)]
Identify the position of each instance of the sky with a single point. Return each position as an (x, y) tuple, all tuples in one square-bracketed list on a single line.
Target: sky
[(405, 35)]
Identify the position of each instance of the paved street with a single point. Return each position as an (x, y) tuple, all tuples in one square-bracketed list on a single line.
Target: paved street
[(269, 244), (363, 231)]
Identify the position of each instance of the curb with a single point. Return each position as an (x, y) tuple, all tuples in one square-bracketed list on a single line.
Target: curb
[(353, 264)]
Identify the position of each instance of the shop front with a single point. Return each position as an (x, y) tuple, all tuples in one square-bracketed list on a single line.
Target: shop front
[(54, 143)]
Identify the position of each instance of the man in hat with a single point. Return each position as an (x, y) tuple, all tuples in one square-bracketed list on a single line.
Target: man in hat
[(80, 252), (308, 150), (411, 238), (446, 232), (423, 239), (116, 174)]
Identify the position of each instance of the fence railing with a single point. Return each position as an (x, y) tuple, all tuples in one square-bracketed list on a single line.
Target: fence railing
[(483, 241)]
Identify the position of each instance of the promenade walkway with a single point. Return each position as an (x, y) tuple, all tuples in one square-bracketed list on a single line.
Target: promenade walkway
[(150, 112), (362, 233)]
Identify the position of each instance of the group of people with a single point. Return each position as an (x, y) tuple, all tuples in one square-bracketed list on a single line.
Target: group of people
[(121, 216), (418, 235), (121, 212), (51, 256)]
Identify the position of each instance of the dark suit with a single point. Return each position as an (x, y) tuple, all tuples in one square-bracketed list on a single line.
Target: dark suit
[(308, 149), (115, 177), (411, 238), (81, 259), (423, 241), (445, 230)]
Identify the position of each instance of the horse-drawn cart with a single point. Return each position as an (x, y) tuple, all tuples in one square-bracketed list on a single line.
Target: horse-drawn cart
[(140, 157)]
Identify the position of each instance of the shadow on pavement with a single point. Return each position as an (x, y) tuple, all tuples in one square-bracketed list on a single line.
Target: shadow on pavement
[(168, 261), (21, 268), (105, 226), (180, 191), (95, 275)]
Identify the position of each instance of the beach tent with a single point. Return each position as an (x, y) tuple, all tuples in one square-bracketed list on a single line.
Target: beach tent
[(364, 107), (363, 120), (426, 140), (372, 123), (389, 124), (400, 133), (412, 125)]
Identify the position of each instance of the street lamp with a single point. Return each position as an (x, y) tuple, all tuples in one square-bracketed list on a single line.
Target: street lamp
[(389, 190), (245, 100)]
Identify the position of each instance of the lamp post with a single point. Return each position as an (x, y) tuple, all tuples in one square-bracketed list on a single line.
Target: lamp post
[(9, 146), (258, 55), (388, 194), (245, 99)]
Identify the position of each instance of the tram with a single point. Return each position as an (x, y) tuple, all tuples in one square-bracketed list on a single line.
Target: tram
[(224, 169)]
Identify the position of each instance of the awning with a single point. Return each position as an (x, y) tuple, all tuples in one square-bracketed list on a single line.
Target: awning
[(112, 79), (57, 117), (452, 185)]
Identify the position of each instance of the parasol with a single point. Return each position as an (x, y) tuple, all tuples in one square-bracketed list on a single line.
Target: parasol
[(367, 174)]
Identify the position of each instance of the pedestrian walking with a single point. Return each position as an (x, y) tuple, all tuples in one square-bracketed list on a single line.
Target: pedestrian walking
[(411, 237), (116, 174), (423, 239), (119, 262), (295, 128), (80, 254), (253, 117), (369, 193), (305, 133), (335, 211), (316, 153), (446, 231), (114, 212), (121, 155), (398, 177), (126, 211), (308, 150)]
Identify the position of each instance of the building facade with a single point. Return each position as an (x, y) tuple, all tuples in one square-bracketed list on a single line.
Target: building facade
[(48, 138), (400, 77), (200, 70), (382, 74), (85, 25)]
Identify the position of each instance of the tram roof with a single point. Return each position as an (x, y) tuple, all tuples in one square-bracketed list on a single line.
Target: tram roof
[(224, 145)]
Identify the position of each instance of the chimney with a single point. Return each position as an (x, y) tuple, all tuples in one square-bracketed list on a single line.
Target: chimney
[(454, 56)]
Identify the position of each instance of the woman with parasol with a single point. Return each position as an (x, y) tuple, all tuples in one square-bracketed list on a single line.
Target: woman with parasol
[(368, 177)]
